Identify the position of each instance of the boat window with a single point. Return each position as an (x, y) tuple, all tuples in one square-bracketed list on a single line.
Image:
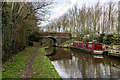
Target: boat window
[(77, 44), (71, 43), (83, 45), (89, 45)]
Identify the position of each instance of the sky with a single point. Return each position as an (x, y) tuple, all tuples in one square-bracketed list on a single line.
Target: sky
[(61, 6)]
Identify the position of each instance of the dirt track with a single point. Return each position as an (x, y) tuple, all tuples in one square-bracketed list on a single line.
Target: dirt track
[(28, 69)]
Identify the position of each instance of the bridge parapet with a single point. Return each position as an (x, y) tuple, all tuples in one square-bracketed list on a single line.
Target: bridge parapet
[(56, 34)]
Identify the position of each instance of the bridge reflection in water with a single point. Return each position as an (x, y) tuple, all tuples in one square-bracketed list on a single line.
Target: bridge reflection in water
[(76, 64)]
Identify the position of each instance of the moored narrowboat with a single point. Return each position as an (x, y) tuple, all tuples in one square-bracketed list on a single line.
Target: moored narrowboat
[(94, 48), (115, 51)]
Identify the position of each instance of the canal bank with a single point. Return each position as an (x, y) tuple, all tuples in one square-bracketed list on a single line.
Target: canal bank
[(40, 67), (65, 44)]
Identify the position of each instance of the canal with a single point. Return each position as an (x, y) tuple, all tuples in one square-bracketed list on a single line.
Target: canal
[(77, 64)]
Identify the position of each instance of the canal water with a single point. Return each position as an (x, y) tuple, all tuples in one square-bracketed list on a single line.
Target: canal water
[(71, 63)]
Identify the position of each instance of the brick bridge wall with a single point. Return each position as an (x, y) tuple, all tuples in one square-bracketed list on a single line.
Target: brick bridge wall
[(57, 34), (57, 37)]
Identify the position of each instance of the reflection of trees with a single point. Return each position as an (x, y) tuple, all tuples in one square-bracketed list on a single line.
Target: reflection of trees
[(110, 68), (92, 70), (58, 54), (84, 66)]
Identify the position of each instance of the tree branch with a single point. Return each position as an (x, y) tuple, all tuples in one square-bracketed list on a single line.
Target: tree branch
[(42, 6)]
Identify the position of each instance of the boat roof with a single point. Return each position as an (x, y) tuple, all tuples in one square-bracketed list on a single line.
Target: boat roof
[(86, 42), (77, 41)]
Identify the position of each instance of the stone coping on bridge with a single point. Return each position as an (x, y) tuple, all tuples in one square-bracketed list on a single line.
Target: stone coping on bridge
[(65, 34), (56, 32)]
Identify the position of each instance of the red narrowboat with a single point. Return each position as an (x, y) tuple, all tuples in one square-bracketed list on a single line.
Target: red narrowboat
[(94, 48)]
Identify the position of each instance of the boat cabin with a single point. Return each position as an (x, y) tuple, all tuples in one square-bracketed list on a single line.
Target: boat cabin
[(91, 46)]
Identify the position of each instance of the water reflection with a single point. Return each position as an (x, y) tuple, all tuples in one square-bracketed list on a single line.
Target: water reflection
[(76, 64), (58, 54)]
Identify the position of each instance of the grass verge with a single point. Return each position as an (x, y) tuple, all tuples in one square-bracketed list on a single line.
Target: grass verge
[(15, 67), (66, 44), (42, 66)]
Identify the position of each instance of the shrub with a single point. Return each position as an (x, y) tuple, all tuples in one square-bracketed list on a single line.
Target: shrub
[(111, 39)]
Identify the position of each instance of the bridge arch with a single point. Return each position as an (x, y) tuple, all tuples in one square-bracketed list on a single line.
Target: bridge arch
[(54, 40)]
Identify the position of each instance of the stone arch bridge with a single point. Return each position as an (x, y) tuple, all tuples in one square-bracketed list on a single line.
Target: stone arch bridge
[(57, 37)]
